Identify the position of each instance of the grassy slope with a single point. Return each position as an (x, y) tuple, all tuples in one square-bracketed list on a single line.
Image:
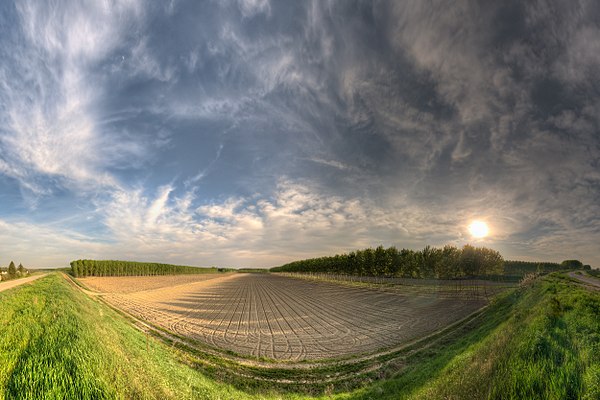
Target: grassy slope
[(548, 348), (57, 343), (594, 272)]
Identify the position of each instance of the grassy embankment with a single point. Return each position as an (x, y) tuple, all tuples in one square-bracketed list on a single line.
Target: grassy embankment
[(548, 348), (543, 342), (57, 343), (594, 272)]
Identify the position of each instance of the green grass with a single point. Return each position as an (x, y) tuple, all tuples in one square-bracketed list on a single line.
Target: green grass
[(548, 348), (55, 343), (541, 342), (594, 272)]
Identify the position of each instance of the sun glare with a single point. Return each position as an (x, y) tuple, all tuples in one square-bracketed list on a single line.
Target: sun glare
[(478, 229)]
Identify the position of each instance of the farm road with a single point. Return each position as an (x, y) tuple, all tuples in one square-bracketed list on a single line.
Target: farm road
[(11, 284), (589, 281)]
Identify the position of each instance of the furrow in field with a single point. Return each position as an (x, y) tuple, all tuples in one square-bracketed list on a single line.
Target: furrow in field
[(289, 319)]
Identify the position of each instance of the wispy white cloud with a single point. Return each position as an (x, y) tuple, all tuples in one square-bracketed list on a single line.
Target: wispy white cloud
[(201, 174), (330, 163), (295, 221), (299, 220), (37, 246), (142, 63), (250, 8), (49, 102)]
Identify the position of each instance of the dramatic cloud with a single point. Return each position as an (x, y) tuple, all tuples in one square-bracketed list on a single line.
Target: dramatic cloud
[(255, 132), (292, 221)]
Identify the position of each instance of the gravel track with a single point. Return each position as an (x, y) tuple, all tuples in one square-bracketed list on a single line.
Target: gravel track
[(589, 281)]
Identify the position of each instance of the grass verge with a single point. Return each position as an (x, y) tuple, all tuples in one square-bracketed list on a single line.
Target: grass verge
[(547, 348), (56, 343)]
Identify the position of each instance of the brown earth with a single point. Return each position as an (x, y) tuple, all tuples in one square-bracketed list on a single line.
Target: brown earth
[(130, 284), (277, 317)]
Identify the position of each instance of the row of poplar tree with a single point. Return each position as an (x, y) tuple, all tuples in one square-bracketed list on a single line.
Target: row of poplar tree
[(448, 262), (82, 268)]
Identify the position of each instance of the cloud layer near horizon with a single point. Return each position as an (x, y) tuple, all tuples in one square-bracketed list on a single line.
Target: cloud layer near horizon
[(251, 133)]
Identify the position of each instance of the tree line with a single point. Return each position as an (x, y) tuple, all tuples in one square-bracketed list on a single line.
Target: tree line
[(520, 268), (83, 268), (13, 272), (448, 262)]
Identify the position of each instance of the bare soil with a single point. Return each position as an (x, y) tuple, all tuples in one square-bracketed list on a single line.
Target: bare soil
[(282, 318), (131, 284)]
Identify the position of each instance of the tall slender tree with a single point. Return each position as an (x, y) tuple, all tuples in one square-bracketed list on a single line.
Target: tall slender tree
[(12, 270)]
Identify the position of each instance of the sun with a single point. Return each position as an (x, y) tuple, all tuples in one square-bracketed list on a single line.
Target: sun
[(478, 229)]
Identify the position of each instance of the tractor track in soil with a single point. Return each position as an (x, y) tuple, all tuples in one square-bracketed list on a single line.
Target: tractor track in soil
[(265, 323)]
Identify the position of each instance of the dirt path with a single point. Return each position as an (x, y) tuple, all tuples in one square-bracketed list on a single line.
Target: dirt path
[(11, 284), (587, 280)]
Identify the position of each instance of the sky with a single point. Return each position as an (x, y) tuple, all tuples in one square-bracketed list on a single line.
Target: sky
[(254, 132)]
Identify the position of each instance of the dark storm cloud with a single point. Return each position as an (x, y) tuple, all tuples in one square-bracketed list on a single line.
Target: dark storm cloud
[(271, 130)]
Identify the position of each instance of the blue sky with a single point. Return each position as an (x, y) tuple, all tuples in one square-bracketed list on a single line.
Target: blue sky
[(252, 133)]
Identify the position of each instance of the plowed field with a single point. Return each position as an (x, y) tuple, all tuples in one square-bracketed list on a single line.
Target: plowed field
[(283, 318)]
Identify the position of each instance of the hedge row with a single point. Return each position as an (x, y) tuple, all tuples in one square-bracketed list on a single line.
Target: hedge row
[(448, 262), (83, 268)]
